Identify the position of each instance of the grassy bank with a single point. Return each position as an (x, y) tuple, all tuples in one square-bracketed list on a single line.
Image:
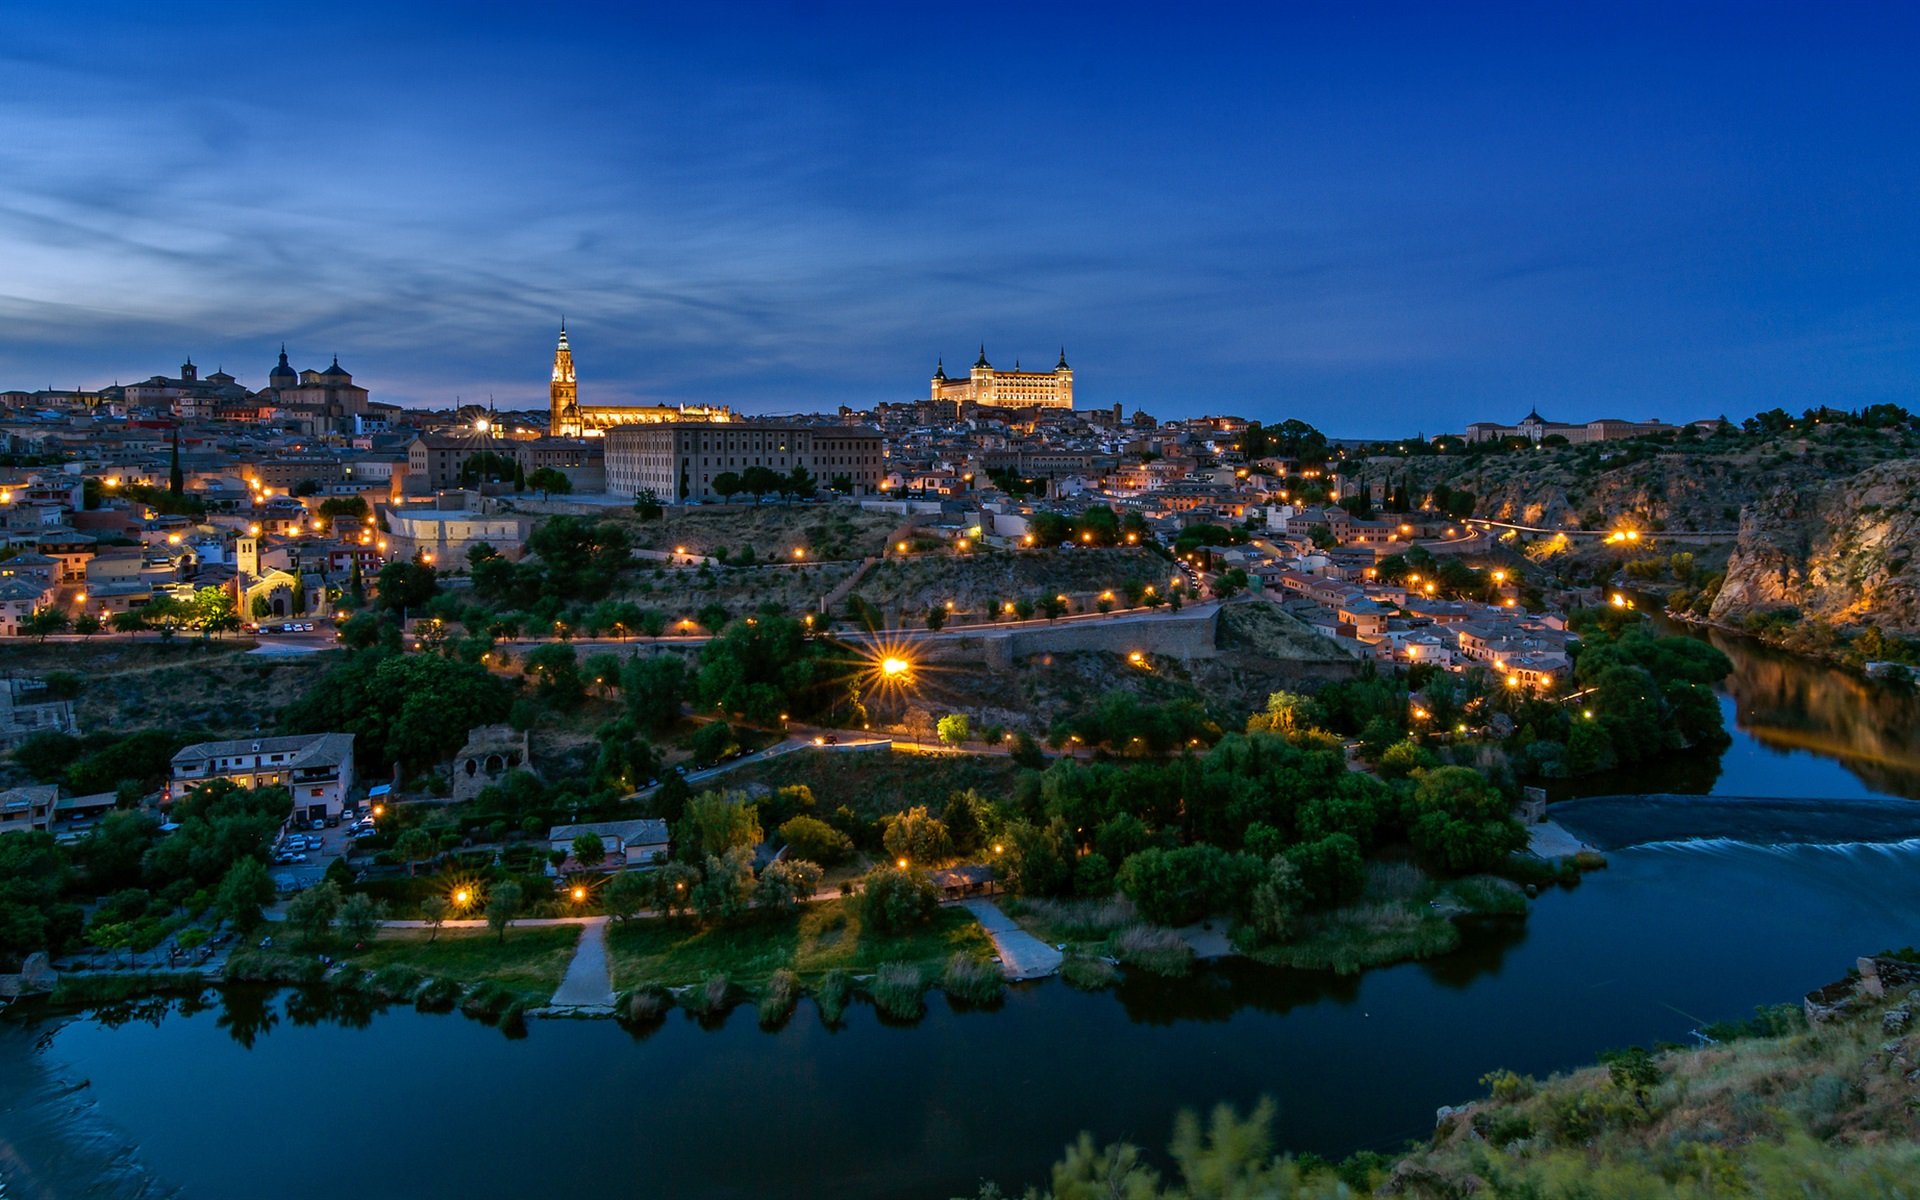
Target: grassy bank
[(1772, 1109), (529, 963), (820, 938), (874, 784), (1403, 915)]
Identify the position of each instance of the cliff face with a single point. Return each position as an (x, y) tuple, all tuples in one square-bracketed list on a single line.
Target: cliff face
[(1844, 553)]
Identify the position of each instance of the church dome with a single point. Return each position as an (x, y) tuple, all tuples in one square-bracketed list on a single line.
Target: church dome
[(282, 376)]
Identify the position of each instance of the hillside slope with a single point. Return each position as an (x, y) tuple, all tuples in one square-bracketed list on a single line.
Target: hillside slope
[(1842, 552)]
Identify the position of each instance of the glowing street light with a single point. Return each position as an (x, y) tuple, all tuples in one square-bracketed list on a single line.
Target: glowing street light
[(462, 897), (579, 894), (892, 667), (901, 863)]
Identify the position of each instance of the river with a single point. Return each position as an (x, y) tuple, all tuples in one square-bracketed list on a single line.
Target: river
[(273, 1094)]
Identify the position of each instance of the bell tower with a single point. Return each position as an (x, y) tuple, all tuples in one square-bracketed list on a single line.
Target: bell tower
[(564, 396)]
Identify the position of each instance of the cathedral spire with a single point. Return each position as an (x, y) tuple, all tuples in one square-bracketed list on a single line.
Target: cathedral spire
[(1062, 366)]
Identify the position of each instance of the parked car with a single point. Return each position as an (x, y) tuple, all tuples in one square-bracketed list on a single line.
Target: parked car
[(318, 823)]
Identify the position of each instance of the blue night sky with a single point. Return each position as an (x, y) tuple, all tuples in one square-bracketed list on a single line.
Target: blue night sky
[(1380, 219)]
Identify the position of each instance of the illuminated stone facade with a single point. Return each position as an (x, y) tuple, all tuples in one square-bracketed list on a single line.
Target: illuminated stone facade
[(679, 462), (567, 418), (1007, 389)]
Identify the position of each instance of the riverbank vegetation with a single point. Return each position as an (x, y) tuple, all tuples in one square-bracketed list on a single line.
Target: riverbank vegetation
[(528, 962), (809, 943), (1769, 1108)]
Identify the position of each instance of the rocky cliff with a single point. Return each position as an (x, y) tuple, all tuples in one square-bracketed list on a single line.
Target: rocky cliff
[(1843, 552)]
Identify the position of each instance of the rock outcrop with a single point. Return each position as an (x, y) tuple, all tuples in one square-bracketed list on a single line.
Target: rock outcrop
[(1843, 553)]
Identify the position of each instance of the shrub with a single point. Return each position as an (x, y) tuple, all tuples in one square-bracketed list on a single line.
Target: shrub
[(646, 1004), (971, 980), (437, 995), (488, 1000), (776, 1003), (712, 997), (1490, 896), (1079, 920), (1160, 951), (1088, 973), (833, 995), (395, 982), (898, 991)]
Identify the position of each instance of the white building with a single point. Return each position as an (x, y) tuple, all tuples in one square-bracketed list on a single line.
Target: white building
[(316, 769)]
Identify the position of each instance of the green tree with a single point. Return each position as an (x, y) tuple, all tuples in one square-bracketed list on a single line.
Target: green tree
[(405, 585), (727, 485), (786, 883), (556, 669), (654, 688), (549, 482), (433, 910), (726, 884), (913, 834), (413, 846), (893, 901), (625, 895), (953, 729), (502, 906), (716, 822), (647, 504), (360, 918), (1180, 886), (589, 850), (1459, 822), (311, 913), (43, 621), (1277, 900), (244, 891), (815, 840), (487, 466)]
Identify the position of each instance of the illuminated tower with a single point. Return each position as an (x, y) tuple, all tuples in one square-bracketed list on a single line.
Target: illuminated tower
[(564, 414)]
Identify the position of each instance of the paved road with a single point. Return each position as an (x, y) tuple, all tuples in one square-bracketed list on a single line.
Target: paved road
[(1022, 955), (588, 983)]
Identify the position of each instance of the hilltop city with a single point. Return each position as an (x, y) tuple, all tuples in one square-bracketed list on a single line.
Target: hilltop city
[(606, 710)]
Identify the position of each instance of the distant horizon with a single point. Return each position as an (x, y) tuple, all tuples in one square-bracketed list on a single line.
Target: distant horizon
[(1386, 218), (205, 367)]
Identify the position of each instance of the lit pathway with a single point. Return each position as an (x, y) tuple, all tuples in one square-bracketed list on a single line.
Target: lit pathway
[(588, 983), (1022, 955)]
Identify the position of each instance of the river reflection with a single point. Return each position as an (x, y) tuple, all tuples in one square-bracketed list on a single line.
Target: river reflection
[(1798, 729), (1666, 938)]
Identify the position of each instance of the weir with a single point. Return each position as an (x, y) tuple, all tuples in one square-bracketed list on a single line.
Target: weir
[(1616, 822)]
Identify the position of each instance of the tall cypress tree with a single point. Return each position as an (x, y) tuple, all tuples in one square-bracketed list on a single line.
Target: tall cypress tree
[(176, 482)]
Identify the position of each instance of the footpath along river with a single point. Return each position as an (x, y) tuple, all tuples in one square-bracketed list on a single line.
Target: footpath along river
[(264, 1093)]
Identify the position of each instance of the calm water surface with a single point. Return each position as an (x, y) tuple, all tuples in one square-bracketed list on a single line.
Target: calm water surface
[(276, 1095)]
